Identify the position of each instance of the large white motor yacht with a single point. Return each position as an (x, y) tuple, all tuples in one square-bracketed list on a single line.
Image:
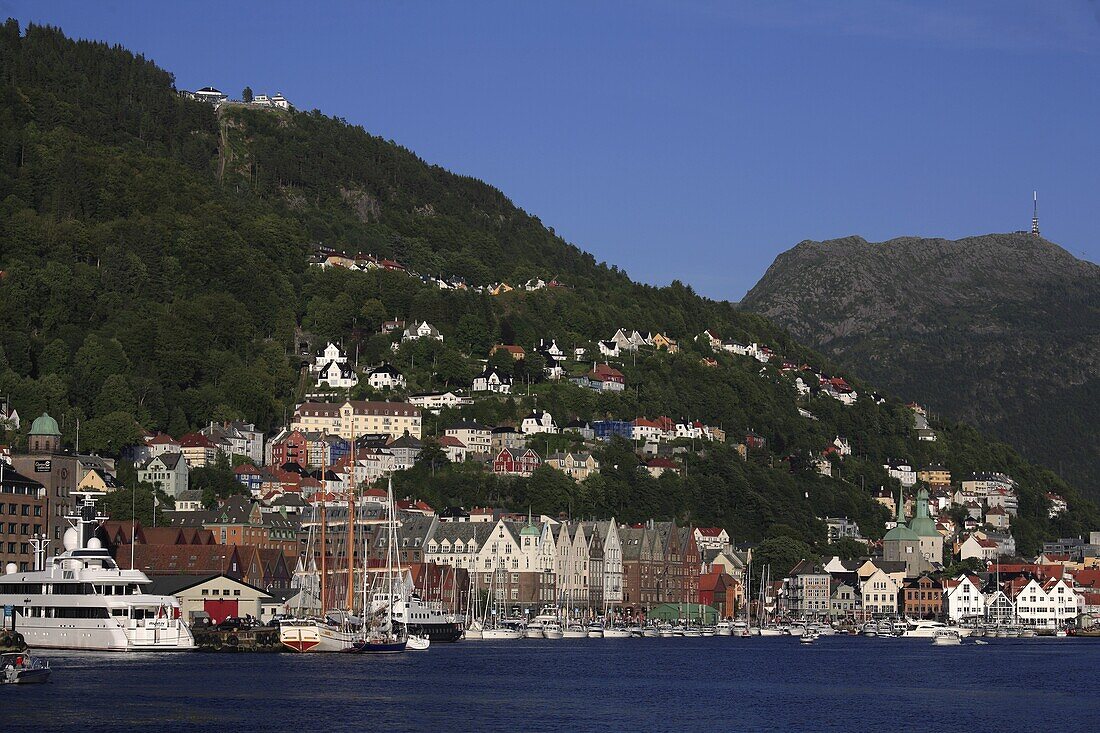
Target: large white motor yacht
[(81, 599)]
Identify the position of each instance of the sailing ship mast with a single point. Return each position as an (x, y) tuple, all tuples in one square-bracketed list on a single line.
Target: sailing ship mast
[(324, 545), (351, 531)]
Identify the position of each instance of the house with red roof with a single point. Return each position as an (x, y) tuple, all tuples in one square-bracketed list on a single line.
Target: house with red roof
[(454, 448), (719, 590), (416, 506), (658, 466), (198, 450), (711, 538), (516, 352)]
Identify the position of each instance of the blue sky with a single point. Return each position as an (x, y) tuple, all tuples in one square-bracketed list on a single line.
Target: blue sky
[(685, 139)]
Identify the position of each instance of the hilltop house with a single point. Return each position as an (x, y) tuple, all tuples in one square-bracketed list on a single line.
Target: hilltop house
[(493, 380)]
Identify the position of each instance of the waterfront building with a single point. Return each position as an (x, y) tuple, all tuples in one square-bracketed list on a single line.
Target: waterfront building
[(963, 598), (879, 594), (922, 598), (843, 601), (59, 472), (1047, 604), (217, 597), (807, 591)]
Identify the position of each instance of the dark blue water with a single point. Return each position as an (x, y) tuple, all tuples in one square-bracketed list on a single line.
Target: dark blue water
[(708, 684)]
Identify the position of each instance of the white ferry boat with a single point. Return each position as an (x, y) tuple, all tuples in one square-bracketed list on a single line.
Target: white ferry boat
[(83, 600), (414, 616)]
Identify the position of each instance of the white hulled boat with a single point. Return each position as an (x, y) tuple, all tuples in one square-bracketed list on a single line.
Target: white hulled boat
[(81, 599), (946, 637)]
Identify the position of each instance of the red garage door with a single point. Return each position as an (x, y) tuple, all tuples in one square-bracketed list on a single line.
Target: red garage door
[(220, 610)]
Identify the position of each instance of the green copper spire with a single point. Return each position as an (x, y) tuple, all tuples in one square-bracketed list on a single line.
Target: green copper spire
[(901, 505)]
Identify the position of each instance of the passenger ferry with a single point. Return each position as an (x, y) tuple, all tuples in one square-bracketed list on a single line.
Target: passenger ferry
[(83, 600)]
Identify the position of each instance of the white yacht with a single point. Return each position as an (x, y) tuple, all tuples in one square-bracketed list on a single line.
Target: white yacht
[(81, 599), (926, 629)]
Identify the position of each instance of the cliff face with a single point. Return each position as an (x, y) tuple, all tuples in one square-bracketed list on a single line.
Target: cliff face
[(1002, 330)]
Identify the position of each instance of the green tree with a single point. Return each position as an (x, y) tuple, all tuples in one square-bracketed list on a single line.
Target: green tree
[(847, 549), (110, 434), (246, 95)]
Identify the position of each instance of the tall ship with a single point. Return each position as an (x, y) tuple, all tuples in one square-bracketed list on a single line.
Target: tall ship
[(82, 599)]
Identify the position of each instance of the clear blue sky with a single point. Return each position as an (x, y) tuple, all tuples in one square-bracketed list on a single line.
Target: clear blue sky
[(685, 139)]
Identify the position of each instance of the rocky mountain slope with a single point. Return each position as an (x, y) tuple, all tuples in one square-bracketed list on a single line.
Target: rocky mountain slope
[(1001, 330)]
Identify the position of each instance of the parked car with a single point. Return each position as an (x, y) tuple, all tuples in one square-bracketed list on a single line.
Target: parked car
[(232, 623)]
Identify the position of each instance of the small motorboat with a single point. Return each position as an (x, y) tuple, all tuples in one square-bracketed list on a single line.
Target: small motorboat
[(552, 630), (616, 632), (1060, 634), (575, 631), (946, 637), (808, 638), (723, 628), (20, 668), (417, 643), (981, 643)]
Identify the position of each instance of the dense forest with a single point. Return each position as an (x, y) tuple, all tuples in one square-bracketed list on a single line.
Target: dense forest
[(155, 270)]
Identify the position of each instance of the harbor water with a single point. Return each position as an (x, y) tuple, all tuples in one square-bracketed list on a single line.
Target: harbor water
[(705, 684)]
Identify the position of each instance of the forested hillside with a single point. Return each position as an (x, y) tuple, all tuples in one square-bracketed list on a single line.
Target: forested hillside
[(1002, 331), (155, 268)]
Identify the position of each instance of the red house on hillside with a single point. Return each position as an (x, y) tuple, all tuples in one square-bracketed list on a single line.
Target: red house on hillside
[(516, 462)]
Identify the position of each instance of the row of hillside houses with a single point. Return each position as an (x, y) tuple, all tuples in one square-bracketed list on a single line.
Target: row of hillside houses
[(325, 257), (217, 98), (1042, 596)]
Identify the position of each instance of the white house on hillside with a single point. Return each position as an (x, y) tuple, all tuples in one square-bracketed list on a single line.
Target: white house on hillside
[(493, 380), (386, 377), (331, 353), (337, 376), (538, 422), (422, 330)]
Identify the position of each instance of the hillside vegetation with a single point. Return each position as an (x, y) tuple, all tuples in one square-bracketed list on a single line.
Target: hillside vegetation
[(1002, 331), (155, 263)]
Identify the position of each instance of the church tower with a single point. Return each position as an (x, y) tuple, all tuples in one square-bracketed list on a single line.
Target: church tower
[(44, 436)]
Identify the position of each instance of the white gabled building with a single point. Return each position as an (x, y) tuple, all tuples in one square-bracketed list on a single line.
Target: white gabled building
[(963, 599), (337, 375), (436, 401), (422, 330), (476, 437), (386, 377), (324, 357), (538, 421), (902, 471), (879, 593), (1047, 605), (493, 380)]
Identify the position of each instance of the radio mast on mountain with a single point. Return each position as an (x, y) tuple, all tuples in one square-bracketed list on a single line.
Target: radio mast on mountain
[(1035, 213)]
